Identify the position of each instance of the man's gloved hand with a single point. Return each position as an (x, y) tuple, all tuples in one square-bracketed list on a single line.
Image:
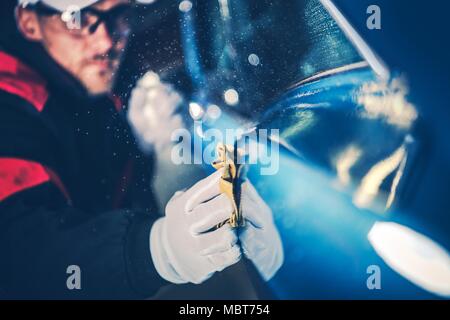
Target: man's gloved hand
[(185, 246), (152, 112), (260, 239)]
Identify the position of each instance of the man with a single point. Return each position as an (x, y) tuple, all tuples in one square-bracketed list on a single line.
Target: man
[(75, 196)]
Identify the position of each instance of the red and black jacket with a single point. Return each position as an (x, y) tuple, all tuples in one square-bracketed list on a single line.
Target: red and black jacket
[(74, 188)]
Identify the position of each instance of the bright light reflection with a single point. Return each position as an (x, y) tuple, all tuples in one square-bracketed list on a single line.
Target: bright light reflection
[(185, 6), (371, 183), (195, 110), (213, 111)]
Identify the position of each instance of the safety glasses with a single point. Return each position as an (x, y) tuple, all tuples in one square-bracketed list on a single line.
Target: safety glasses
[(86, 21)]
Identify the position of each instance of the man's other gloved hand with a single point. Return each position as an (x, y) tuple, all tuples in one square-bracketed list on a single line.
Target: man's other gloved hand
[(185, 245), (152, 112), (260, 240)]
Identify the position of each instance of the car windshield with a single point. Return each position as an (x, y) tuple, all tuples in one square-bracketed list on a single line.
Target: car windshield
[(252, 51)]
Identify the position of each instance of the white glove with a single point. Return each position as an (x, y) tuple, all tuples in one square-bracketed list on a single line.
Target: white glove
[(260, 239), (183, 247), (152, 112)]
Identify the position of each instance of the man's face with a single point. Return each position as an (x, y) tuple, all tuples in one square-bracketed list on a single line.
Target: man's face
[(92, 58)]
